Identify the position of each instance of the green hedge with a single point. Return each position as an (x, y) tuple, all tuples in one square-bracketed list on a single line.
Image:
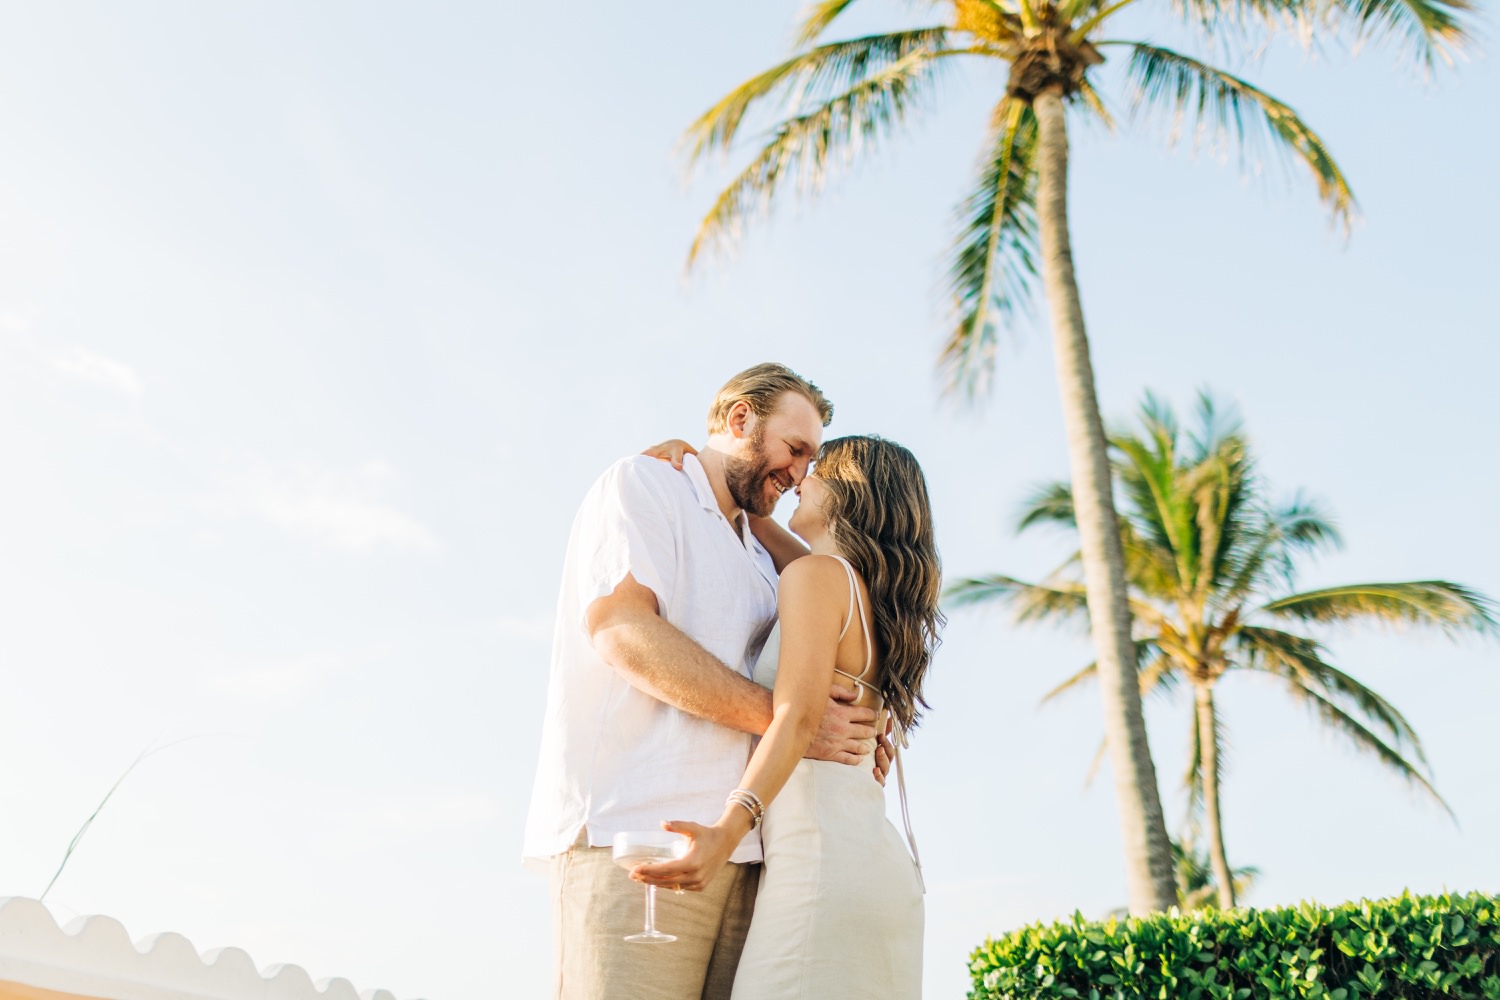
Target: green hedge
[(1414, 946)]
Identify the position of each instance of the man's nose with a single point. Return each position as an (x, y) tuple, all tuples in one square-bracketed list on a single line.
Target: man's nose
[(799, 470)]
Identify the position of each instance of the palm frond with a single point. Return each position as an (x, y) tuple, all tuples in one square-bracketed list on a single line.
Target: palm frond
[(1157, 678), (1227, 105), (998, 26), (1100, 753), (1306, 525), (1453, 608), (1030, 601), (809, 146), (810, 76), (817, 17), (1222, 488), (1216, 424), (993, 260), (1149, 566), (1102, 11), (1300, 660), (1050, 503), (1361, 738), (1267, 547), (1195, 876), (1155, 672), (1432, 30), (1079, 679), (1091, 99), (1160, 513)]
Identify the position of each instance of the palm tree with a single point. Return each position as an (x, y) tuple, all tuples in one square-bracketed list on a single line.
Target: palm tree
[(1197, 885), (1211, 566), (846, 96)]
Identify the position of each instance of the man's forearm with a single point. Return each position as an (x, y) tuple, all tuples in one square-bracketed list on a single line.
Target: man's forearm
[(663, 662), (783, 546)]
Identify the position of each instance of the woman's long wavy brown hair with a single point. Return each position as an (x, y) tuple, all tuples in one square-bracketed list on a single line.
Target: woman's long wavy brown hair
[(880, 518)]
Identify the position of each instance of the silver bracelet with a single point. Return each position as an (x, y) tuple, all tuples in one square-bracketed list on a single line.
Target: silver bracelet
[(751, 803), (747, 793)]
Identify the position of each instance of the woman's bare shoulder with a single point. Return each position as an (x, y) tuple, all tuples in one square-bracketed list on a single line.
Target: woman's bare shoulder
[(816, 578)]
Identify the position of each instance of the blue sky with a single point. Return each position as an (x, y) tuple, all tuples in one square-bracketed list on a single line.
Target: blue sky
[(316, 322)]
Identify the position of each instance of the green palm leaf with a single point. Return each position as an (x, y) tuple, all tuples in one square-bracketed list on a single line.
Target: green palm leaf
[(1300, 659), (993, 262), (818, 16), (1030, 601), (1145, 472), (1438, 603), (1361, 738), (1051, 503), (808, 146), (1155, 672), (1305, 525), (814, 75), (1227, 105), (1090, 98), (1433, 29), (1157, 679), (1222, 489), (1268, 553)]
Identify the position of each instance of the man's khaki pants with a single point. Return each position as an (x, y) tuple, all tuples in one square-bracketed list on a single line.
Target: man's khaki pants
[(595, 904)]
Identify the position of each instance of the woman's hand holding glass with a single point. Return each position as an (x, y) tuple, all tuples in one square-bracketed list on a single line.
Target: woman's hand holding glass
[(708, 853)]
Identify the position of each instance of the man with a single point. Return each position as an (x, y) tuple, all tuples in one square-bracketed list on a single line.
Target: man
[(666, 601)]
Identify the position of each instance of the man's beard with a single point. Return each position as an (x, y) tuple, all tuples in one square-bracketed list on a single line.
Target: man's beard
[(746, 478)]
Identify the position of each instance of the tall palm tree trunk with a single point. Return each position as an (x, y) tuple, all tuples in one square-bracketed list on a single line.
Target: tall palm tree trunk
[(1208, 764), (1148, 853)]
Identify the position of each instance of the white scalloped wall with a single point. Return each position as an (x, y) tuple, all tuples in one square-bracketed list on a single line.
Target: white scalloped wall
[(94, 958)]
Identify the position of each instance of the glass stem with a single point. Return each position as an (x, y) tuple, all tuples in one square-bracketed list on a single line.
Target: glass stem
[(650, 909)]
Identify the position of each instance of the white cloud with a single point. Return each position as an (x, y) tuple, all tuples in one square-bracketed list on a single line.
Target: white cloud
[(338, 509), (87, 366)]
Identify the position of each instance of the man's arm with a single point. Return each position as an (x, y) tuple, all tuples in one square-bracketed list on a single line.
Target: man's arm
[(662, 661), (783, 546), (659, 659)]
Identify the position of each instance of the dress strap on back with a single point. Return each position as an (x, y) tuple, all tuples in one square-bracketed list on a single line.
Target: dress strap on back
[(860, 684), (855, 604)]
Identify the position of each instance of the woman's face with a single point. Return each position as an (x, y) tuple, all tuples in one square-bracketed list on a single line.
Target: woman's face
[(809, 519)]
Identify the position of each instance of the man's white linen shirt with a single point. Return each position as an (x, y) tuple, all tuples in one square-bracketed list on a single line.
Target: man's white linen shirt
[(613, 757)]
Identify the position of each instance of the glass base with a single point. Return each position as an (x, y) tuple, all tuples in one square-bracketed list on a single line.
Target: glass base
[(651, 937)]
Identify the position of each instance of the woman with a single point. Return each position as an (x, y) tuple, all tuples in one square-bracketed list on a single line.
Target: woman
[(840, 901)]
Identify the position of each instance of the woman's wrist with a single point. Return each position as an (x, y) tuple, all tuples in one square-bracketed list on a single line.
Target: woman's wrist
[(736, 822)]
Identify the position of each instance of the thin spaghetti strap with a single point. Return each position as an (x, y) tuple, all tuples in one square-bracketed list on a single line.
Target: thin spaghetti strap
[(849, 614), (864, 625)]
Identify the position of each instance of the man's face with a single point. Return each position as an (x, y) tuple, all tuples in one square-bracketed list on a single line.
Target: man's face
[(774, 454)]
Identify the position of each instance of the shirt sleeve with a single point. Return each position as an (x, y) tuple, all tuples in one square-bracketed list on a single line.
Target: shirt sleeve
[(627, 527)]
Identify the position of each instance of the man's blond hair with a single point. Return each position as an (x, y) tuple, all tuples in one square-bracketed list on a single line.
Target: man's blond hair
[(762, 387)]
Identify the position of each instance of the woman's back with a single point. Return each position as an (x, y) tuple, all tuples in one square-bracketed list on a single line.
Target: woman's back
[(840, 900)]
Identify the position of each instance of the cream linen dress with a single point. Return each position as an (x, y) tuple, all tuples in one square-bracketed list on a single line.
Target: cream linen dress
[(839, 913)]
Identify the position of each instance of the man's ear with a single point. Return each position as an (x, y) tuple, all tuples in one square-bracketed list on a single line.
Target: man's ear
[(741, 420)]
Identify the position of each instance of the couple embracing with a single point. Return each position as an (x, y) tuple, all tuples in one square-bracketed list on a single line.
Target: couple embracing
[(690, 623)]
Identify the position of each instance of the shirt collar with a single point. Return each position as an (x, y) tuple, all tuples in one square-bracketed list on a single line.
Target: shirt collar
[(702, 488)]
